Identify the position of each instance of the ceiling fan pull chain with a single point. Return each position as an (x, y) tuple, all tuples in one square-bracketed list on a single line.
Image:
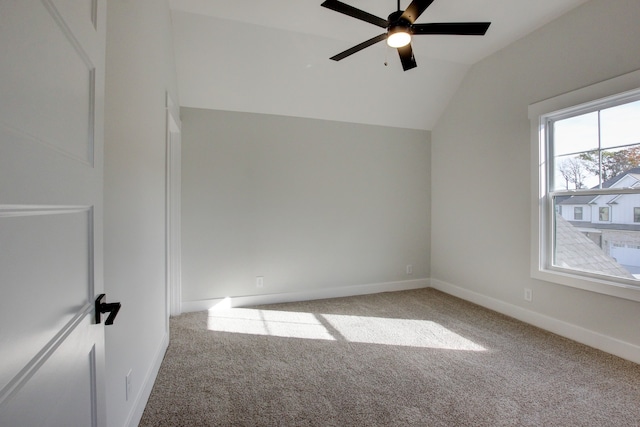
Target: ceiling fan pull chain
[(386, 54)]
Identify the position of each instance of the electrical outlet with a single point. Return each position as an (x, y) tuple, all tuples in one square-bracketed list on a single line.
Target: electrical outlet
[(128, 385), (528, 295), (409, 269), (259, 282)]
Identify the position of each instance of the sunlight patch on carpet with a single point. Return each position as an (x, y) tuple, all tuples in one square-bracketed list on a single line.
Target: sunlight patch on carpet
[(332, 327), (399, 332), (267, 322)]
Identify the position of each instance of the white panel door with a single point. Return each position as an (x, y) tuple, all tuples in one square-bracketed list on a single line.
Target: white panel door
[(51, 173)]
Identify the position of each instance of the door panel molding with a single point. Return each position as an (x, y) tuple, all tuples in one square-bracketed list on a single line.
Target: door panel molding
[(18, 381), (31, 210), (32, 399), (71, 129), (37, 235)]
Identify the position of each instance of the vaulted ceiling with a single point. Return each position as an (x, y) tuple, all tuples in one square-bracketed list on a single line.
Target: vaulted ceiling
[(273, 57)]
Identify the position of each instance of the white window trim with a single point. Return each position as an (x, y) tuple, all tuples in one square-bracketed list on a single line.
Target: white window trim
[(541, 213)]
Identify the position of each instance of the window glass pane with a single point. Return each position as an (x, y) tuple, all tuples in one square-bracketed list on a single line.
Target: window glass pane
[(636, 214), (575, 172), (603, 214), (620, 125), (617, 161), (611, 249), (575, 134)]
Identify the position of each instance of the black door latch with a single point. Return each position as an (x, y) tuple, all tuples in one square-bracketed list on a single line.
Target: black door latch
[(103, 307)]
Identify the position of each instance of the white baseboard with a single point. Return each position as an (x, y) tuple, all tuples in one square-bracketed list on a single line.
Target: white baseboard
[(145, 391), (312, 294), (593, 339)]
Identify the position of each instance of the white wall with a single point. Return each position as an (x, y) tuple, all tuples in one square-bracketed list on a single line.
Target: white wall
[(140, 69), (268, 70), (481, 195), (307, 204)]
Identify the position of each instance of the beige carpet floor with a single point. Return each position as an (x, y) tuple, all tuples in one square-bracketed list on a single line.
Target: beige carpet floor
[(411, 358)]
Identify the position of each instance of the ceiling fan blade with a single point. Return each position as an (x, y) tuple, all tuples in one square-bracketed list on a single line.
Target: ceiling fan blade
[(406, 57), (359, 47), (415, 9), (452, 28), (338, 6)]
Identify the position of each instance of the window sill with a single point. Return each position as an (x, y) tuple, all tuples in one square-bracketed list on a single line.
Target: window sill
[(600, 286)]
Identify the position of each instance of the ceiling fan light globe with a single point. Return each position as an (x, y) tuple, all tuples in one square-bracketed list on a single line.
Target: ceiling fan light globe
[(399, 39)]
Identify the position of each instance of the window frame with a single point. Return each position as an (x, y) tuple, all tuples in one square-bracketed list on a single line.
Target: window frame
[(636, 214), (619, 90), (577, 209)]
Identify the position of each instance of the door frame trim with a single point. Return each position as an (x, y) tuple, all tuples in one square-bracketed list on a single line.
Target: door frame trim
[(173, 210)]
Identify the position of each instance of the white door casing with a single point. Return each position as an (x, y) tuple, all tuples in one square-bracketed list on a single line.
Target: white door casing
[(174, 250), (52, 56)]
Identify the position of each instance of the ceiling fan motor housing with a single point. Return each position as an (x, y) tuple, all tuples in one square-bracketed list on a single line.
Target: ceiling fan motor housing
[(399, 30), (397, 23)]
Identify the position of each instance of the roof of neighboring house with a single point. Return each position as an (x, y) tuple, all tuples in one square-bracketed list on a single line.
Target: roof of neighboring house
[(606, 226), (577, 200), (585, 200), (576, 251), (610, 182)]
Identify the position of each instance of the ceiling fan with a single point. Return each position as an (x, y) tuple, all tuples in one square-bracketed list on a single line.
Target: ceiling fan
[(400, 27)]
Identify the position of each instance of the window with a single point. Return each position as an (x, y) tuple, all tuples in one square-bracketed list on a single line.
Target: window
[(577, 213), (603, 214), (587, 152)]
